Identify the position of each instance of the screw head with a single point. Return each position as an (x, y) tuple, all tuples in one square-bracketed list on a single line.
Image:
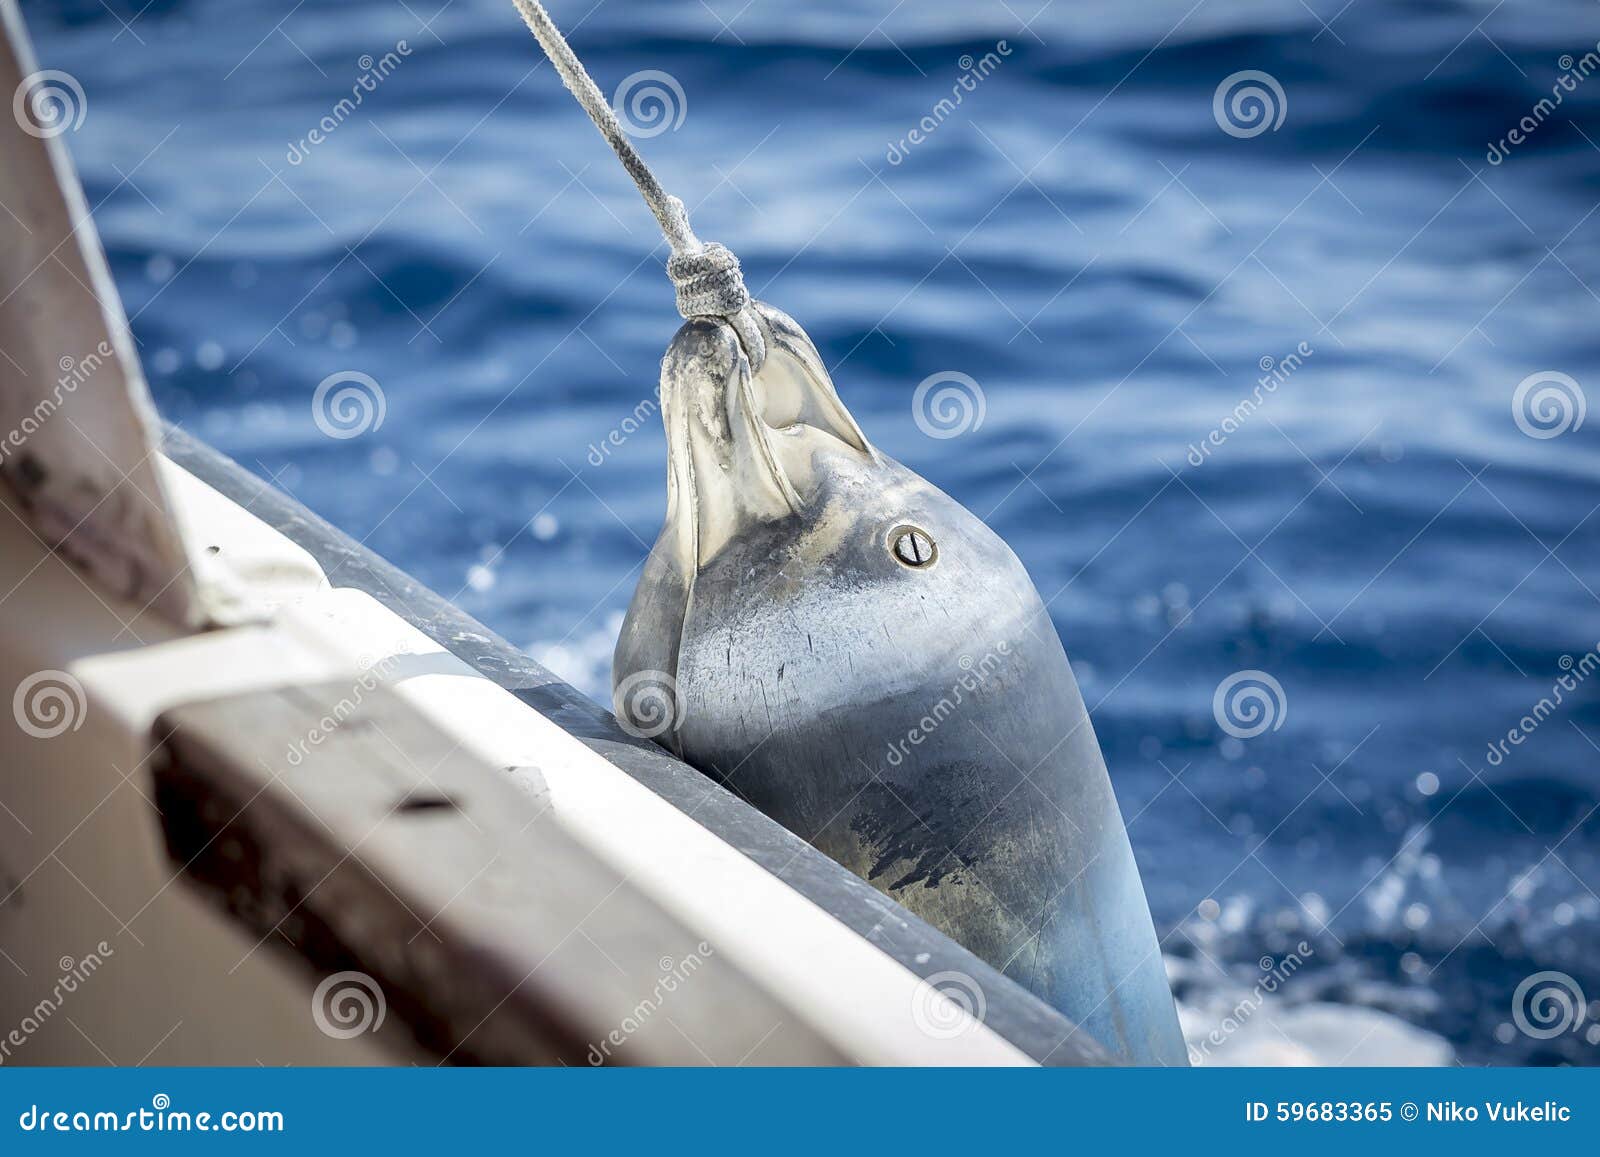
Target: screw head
[(912, 547)]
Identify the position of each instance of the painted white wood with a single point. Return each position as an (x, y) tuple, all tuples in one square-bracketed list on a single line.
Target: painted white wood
[(132, 667), (76, 420), (82, 861)]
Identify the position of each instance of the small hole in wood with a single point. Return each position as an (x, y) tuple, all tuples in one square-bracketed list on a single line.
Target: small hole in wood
[(426, 802)]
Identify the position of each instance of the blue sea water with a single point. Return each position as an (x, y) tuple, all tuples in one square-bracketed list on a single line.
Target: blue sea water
[(1115, 272)]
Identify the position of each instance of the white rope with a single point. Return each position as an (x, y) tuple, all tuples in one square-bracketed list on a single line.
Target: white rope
[(706, 276)]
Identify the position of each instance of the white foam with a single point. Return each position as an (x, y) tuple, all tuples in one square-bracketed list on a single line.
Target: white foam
[(1309, 1035)]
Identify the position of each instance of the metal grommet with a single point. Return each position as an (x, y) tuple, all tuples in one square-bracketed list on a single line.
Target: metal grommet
[(912, 547)]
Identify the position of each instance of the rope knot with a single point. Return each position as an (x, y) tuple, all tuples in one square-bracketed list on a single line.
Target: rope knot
[(706, 277), (708, 282)]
